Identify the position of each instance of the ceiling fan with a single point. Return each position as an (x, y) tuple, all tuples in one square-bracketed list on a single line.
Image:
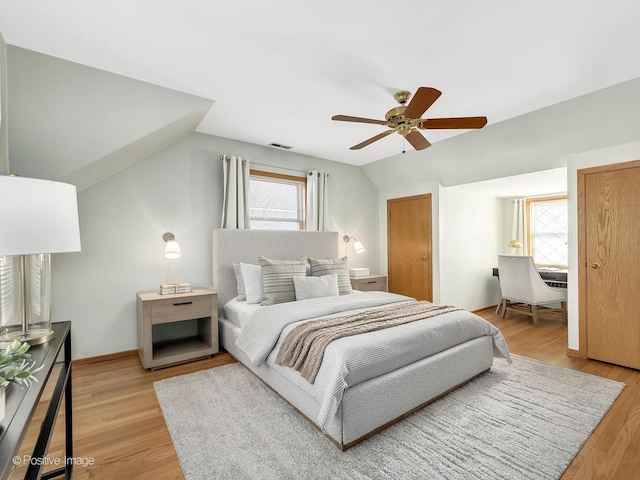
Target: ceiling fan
[(406, 120)]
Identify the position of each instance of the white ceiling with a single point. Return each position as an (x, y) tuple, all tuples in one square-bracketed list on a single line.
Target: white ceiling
[(279, 70), (525, 185)]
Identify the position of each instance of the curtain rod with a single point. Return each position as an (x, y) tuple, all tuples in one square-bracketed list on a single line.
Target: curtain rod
[(300, 172)]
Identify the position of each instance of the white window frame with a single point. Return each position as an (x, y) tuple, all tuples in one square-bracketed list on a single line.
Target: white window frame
[(530, 234), (300, 182)]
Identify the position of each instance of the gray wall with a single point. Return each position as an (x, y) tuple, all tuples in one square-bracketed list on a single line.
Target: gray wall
[(74, 123), (470, 232), (4, 139), (178, 189)]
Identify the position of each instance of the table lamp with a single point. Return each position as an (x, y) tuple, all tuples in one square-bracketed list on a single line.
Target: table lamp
[(513, 245), (37, 218)]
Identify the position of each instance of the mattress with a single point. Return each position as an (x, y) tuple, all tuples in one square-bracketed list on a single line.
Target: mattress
[(239, 312)]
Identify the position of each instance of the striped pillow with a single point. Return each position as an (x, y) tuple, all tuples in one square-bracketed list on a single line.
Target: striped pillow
[(277, 279), (337, 266)]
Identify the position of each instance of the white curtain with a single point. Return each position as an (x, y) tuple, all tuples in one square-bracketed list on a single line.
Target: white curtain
[(519, 227), (235, 207), (317, 201)]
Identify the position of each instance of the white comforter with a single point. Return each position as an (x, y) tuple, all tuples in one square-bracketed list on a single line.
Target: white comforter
[(355, 359)]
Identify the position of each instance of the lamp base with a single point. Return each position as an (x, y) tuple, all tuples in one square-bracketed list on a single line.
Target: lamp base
[(32, 337)]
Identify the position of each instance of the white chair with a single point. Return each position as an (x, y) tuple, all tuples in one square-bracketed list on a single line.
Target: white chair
[(521, 284)]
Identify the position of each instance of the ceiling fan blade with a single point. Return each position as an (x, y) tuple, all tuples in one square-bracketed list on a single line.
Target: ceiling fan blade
[(423, 99), (416, 139), (371, 140), (347, 118), (446, 123)]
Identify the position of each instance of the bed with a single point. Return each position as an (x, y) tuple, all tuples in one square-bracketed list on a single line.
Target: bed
[(393, 372)]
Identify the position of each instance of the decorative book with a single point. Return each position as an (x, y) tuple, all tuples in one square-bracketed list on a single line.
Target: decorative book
[(174, 288)]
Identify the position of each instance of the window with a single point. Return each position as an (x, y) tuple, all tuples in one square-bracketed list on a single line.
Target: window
[(548, 231), (276, 201)]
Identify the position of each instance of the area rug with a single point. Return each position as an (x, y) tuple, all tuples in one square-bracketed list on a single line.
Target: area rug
[(526, 420)]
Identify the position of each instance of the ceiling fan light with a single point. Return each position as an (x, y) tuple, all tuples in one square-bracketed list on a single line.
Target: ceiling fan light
[(407, 117)]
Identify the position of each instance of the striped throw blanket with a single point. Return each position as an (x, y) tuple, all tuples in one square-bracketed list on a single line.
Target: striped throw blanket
[(303, 347)]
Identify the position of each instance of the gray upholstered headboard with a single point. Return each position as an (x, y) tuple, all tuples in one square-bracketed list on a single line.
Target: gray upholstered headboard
[(234, 246)]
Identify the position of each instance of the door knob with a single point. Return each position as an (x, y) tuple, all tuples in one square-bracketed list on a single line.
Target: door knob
[(423, 257), (595, 265)]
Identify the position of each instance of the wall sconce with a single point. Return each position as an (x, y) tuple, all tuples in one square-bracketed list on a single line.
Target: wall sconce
[(514, 244), (172, 248), (357, 246), (171, 252)]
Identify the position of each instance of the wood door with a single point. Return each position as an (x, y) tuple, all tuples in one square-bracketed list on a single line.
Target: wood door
[(612, 265), (409, 248)]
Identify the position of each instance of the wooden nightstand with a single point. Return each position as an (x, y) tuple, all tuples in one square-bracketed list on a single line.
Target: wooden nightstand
[(369, 283), (160, 344)]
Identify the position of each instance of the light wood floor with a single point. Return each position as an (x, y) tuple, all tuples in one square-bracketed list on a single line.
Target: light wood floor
[(118, 422)]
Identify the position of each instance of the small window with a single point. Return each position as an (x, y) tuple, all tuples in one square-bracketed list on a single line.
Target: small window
[(548, 231), (276, 202)]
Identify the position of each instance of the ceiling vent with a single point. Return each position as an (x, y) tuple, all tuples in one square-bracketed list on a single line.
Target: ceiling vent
[(277, 145)]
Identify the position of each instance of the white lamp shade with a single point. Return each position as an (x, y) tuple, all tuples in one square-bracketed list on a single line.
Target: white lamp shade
[(172, 250), (358, 247), (37, 216)]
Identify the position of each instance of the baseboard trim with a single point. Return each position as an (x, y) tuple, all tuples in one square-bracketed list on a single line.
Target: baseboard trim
[(575, 353), (489, 308), (105, 358)]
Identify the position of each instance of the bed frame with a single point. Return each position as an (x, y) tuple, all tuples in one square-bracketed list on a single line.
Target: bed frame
[(368, 407)]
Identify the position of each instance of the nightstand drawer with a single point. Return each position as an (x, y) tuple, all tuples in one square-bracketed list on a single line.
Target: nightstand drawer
[(181, 309), (369, 283)]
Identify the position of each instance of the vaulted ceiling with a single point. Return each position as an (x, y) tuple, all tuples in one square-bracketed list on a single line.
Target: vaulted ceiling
[(277, 71)]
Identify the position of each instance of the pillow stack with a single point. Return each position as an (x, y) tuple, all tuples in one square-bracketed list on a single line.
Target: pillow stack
[(279, 281)]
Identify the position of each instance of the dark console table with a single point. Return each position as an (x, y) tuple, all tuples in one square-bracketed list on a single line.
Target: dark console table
[(22, 403)]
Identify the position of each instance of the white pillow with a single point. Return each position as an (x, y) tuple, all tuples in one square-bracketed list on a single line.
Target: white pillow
[(252, 279), (242, 295), (316, 287)]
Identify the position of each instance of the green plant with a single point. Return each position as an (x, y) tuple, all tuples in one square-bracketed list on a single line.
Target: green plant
[(15, 366)]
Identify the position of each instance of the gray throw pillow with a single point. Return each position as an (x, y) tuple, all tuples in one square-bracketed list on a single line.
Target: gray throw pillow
[(337, 266), (277, 279)]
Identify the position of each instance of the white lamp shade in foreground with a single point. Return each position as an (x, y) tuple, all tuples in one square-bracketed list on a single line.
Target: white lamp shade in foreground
[(358, 247), (37, 216)]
